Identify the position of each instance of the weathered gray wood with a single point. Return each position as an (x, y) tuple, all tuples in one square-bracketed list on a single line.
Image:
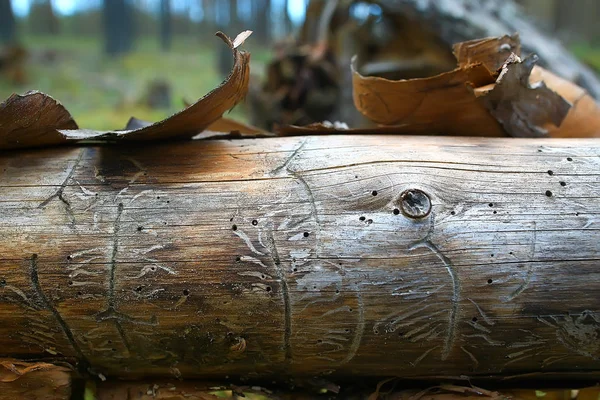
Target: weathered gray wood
[(286, 255)]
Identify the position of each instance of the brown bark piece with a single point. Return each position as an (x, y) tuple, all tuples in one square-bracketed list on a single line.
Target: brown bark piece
[(524, 109), (33, 381), (442, 104), (491, 52), (583, 119), (32, 120)]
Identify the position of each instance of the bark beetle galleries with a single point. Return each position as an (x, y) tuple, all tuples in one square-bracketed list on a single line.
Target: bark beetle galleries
[(415, 203)]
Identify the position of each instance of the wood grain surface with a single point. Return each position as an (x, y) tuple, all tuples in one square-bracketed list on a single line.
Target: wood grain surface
[(297, 255)]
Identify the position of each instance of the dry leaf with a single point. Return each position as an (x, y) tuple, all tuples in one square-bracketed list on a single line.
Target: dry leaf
[(32, 120), (229, 125), (442, 104), (193, 119), (523, 109), (583, 119)]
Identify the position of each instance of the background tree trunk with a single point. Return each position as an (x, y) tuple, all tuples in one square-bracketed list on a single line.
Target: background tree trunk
[(262, 17), (304, 256), (118, 26), (165, 25), (42, 19), (7, 22)]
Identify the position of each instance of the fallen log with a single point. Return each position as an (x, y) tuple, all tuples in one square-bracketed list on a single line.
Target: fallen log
[(418, 257)]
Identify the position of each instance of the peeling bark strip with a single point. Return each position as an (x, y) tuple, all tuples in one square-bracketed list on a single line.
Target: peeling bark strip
[(423, 256)]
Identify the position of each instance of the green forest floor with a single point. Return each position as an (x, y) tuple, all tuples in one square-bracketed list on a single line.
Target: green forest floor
[(103, 93)]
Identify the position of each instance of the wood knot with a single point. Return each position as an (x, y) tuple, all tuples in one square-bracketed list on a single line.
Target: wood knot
[(415, 203), (239, 346)]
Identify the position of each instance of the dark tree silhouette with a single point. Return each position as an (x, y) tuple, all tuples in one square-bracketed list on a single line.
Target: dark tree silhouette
[(165, 25), (42, 20), (118, 26), (7, 22), (262, 18)]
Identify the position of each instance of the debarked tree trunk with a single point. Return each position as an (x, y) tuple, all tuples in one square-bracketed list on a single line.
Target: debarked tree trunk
[(342, 255)]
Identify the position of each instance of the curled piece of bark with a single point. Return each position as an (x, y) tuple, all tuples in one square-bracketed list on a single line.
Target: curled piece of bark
[(32, 120), (195, 118), (33, 380), (442, 104), (524, 109)]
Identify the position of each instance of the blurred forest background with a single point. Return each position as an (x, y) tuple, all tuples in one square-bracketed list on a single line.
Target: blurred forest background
[(107, 60)]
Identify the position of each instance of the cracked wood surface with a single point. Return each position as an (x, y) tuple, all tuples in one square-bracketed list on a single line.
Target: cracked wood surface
[(290, 255)]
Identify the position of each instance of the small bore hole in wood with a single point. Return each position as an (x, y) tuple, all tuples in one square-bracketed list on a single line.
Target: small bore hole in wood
[(495, 212), (70, 283), (152, 268), (396, 211), (376, 332), (138, 289), (452, 212), (238, 259), (577, 214), (369, 221), (490, 281), (362, 218), (157, 197), (79, 294), (569, 159), (168, 201), (550, 173), (350, 310), (548, 193), (186, 292), (231, 219), (262, 276), (295, 270), (69, 258), (491, 204), (306, 234), (234, 228), (139, 228), (511, 253), (474, 319), (268, 289), (337, 291), (254, 222), (562, 183), (347, 330), (2, 282), (374, 192), (491, 255)]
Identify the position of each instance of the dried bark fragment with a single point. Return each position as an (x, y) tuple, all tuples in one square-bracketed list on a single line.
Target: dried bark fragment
[(32, 120), (492, 52), (583, 119), (195, 118), (35, 380), (524, 109), (442, 104)]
